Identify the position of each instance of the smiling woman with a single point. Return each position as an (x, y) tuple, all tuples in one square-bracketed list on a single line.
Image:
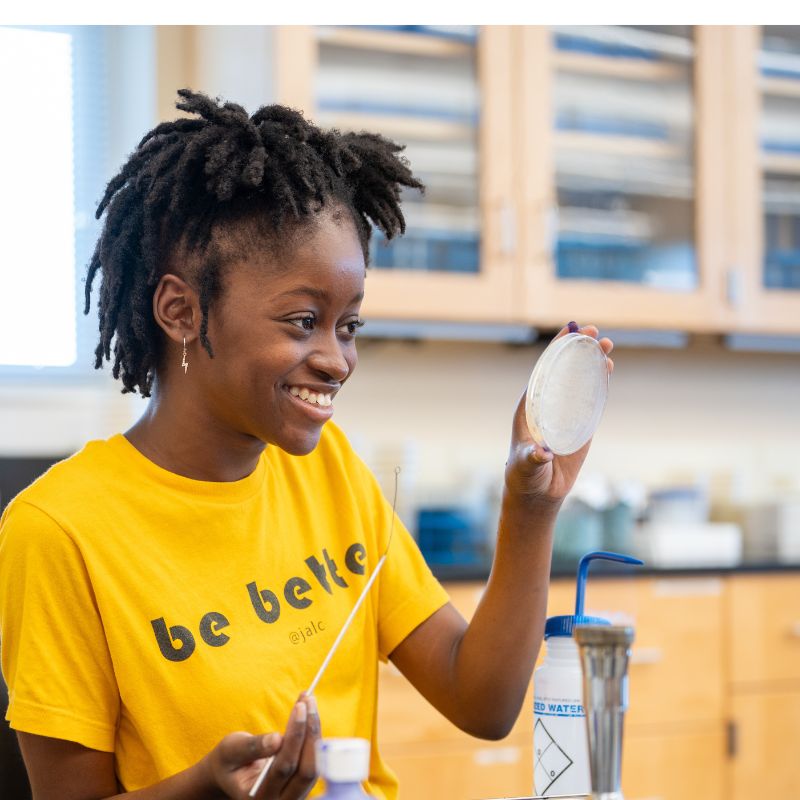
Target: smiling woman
[(283, 340), (167, 589)]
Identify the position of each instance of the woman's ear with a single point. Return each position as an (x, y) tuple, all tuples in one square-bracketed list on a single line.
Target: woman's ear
[(176, 308)]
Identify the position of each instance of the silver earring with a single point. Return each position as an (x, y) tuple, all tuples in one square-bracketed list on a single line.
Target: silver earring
[(184, 362)]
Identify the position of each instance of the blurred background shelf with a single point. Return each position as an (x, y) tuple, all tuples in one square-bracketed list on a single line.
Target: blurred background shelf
[(631, 147), (416, 127), (609, 66), (779, 162), (781, 87), (408, 40)]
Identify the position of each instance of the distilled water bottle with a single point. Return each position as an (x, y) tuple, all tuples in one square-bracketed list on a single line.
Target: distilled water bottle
[(560, 744)]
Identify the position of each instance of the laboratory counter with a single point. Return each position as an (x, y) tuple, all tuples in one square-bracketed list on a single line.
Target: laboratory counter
[(457, 573)]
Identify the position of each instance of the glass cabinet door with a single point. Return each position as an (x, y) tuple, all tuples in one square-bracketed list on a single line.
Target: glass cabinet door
[(620, 197), (765, 177), (779, 139), (418, 86), (623, 115), (428, 88)]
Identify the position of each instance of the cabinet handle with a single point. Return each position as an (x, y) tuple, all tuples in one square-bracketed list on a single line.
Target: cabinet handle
[(647, 655), (486, 756), (734, 291), (508, 229), (732, 736), (794, 630), (551, 227)]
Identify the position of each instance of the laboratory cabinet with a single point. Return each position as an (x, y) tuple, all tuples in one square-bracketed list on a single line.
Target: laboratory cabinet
[(763, 620), (595, 192), (765, 730), (641, 177)]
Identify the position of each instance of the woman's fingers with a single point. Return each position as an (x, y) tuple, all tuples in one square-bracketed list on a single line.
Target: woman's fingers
[(284, 766), (305, 775), (239, 749)]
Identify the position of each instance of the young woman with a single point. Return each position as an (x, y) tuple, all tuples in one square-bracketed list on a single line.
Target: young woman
[(167, 595)]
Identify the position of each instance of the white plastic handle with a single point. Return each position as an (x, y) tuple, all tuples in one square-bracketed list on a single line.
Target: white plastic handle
[(647, 655)]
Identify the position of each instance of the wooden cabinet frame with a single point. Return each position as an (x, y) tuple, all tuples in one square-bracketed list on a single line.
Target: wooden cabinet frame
[(758, 309), (485, 296)]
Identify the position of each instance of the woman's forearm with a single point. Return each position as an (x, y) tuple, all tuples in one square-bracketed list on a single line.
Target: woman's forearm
[(194, 783), (493, 662)]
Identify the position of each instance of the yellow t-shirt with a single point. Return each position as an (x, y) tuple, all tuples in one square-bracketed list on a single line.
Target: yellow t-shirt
[(148, 614)]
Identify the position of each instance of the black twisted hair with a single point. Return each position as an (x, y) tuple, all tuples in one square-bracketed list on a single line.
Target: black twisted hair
[(199, 186)]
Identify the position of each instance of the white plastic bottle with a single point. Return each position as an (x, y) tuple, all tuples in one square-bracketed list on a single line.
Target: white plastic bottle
[(343, 764), (560, 743)]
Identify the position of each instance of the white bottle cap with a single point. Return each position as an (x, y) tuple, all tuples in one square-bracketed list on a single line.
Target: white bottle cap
[(343, 760)]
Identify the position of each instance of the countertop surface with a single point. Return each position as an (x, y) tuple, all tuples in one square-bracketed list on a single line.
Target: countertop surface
[(480, 572)]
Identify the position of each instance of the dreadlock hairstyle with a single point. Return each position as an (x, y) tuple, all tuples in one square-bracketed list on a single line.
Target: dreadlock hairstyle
[(196, 179)]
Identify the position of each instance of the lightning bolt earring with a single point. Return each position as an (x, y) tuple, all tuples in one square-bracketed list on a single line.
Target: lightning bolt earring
[(184, 362)]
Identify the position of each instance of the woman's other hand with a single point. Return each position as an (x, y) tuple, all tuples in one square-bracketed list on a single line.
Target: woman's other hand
[(535, 475), (237, 761)]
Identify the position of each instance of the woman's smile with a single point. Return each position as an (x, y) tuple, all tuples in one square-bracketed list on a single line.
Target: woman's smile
[(316, 403)]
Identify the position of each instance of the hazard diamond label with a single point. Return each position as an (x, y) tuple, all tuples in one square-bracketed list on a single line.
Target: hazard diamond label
[(550, 762)]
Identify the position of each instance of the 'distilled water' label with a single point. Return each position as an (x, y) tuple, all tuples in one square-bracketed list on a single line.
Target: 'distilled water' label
[(560, 748)]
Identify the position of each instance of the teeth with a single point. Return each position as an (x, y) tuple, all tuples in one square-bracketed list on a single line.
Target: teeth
[(320, 399)]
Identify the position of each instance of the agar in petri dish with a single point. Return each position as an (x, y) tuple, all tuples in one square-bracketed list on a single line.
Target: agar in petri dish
[(567, 393)]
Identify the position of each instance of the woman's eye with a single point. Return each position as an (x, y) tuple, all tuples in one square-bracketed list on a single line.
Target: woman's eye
[(306, 323), (353, 326)]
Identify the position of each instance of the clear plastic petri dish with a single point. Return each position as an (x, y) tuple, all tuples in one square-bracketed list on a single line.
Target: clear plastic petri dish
[(567, 393)]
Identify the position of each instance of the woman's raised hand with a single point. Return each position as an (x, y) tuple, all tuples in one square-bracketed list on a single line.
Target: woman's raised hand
[(535, 475)]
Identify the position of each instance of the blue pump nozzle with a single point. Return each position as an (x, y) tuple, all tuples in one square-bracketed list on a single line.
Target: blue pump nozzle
[(583, 572), (564, 625)]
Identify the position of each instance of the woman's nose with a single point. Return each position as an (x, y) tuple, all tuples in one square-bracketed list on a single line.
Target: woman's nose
[(329, 358)]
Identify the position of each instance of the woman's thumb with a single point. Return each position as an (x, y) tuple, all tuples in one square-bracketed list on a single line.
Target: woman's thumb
[(243, 748)]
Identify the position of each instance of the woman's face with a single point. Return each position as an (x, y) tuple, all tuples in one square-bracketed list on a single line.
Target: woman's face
[(284, 338)]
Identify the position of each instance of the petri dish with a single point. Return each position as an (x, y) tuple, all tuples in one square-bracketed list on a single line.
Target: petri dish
[(567, 393)]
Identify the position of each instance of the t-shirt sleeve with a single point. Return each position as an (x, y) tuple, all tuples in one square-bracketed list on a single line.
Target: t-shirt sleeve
[(408, 592), (53, 650)]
